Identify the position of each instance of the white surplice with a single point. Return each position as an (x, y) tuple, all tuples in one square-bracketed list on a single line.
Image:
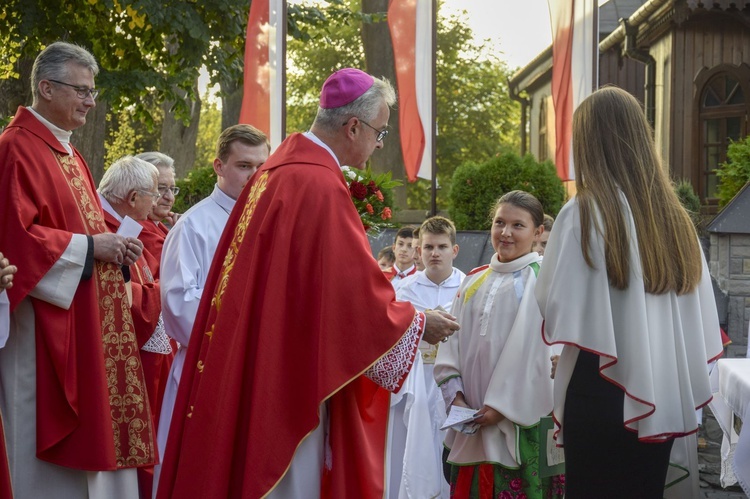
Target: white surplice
[(4, 318), (656, 347), (497, 359), (185, 262), (414, 468)]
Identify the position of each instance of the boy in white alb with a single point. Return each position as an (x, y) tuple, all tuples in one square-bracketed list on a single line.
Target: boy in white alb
[(404, 251), (417, 411)]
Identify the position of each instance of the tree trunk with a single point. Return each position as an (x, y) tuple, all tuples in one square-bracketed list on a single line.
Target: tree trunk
[(231, 102), (90, 138), (376, 40), (177, 138)]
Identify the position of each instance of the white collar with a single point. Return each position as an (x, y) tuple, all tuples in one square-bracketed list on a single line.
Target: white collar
[(61, 135), (517, 264), (452, 281), (222, 199), (405, 272), (322, 144)]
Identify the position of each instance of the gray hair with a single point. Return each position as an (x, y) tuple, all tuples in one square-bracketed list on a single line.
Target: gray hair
[(158, 159), (125, 175), (51, 63), (365, 107)]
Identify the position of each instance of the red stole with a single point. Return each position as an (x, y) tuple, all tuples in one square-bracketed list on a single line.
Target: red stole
[(280, 332), (92, 409), (146, 310)]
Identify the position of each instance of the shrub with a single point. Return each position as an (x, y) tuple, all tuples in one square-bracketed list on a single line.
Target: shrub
[(735, 173), (689, 200), (198, 184), (476, 187)]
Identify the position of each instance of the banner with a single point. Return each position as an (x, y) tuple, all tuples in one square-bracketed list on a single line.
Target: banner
[(263, 100), (410, 23), (575, 62)]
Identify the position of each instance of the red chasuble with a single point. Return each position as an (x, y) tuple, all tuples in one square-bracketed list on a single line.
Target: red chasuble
[(298, 310), (92, 409), (152, 236)]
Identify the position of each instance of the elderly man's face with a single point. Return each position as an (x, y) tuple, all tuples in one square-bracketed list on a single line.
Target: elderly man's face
[(144, 201), (66, 109), (367, 143), (163, 205)]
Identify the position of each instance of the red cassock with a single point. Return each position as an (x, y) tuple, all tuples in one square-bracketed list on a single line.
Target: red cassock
[(89, 378), (298, 310), (152, 236)]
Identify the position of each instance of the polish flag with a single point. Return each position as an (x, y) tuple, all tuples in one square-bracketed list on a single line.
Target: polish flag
[(410, 23), (575, 62), (263, 100)]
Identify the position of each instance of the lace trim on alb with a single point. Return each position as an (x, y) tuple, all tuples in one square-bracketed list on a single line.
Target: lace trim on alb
[(159, 341)]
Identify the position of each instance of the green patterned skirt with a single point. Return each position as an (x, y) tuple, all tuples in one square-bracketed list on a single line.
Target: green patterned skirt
[(492, 481)]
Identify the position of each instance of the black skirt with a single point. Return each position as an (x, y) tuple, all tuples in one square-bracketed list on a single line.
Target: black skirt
[(603, 459)]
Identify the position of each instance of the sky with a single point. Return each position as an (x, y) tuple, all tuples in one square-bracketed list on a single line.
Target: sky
[(518, 30)]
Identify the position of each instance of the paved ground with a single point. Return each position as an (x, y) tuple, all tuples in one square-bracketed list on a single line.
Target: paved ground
[(710, 462)]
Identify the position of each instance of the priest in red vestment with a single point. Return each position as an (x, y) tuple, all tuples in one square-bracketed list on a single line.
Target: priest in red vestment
[(155, 230), (72, 391), (280, 395), (129, 188)]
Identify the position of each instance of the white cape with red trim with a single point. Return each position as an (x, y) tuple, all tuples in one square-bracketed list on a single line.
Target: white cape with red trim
[(656, 347)]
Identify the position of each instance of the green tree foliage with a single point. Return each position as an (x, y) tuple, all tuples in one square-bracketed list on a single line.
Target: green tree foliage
[(142, 47), (476, 187), (129, 136), (735, 173), (476, 117), (208, 133)]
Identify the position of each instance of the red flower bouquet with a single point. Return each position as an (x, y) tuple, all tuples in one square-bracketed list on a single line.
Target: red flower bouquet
[(372, 195)]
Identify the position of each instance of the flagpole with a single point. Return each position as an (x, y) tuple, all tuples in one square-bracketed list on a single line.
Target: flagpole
[(283, 69), (433, 111)]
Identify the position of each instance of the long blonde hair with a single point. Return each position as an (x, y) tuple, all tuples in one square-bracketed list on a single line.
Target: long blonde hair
[(613, 149)]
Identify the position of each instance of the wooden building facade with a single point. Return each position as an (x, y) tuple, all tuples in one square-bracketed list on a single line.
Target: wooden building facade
[(687, 61)]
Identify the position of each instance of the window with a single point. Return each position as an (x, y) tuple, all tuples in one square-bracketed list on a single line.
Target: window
[(723, 110)]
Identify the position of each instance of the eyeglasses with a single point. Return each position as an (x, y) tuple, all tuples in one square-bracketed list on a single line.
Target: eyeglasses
[(154, 195), (382, 134), (163, 190), (81, 92)]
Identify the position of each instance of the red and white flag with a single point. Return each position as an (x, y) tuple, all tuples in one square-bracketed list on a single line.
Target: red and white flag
[(410, 23), (263, 99), (575, 62)]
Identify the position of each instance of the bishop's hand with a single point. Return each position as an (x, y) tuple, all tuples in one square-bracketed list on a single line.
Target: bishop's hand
[(440, 326)]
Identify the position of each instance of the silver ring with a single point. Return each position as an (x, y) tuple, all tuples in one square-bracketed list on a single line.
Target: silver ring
[(444, 340)]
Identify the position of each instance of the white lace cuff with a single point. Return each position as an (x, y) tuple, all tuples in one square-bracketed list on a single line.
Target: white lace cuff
[(159, 341), (391, 369)]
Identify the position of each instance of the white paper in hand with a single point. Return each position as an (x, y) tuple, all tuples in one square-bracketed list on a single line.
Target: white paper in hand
[(129, 228), (458, 416)]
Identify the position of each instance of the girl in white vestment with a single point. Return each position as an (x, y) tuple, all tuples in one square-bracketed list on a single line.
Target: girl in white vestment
[(625, 288), (498, 364)]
